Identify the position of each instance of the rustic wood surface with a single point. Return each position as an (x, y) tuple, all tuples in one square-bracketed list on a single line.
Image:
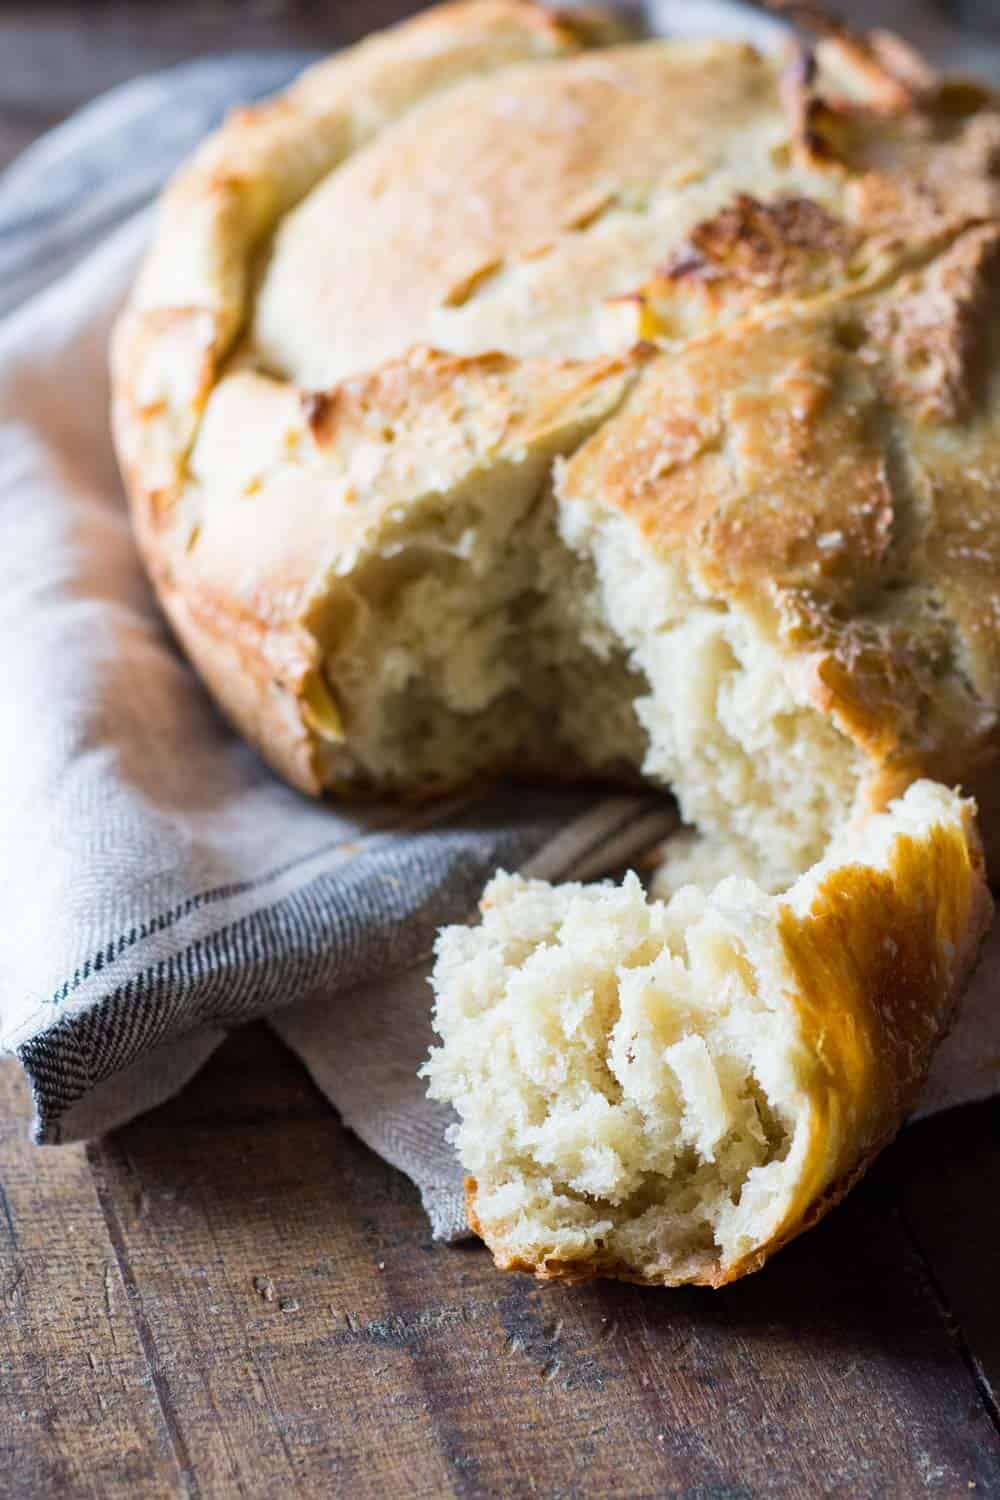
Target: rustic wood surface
[(233, 1297)]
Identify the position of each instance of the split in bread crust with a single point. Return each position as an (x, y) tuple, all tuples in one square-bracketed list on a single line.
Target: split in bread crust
[(668, 1092)]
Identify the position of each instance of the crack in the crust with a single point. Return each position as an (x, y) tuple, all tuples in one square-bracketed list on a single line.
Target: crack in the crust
[(857, 291), (482, 281), (911, 509)]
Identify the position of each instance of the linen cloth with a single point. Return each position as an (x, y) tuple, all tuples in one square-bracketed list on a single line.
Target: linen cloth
[(158, 885)]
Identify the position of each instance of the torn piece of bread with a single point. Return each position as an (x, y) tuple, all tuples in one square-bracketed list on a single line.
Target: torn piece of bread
[(668, 1092), (506, 397)]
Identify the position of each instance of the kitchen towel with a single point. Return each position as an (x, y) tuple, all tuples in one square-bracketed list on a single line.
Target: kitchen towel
[(158, 885)]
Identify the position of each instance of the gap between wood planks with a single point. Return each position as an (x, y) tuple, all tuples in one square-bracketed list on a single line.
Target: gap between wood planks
[(96, 1156)]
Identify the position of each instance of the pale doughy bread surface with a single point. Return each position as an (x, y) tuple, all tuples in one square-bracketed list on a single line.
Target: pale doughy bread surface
[(667, 1092)]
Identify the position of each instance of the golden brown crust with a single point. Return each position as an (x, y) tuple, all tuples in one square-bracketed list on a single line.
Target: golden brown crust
[(876, 962), (895, 78), (557, 159), (295, 479), (770, 247), (835, 472), (895, 947), (817, 438), (190, 301)]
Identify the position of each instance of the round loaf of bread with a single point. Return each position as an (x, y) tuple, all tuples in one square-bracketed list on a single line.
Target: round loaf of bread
[(506, 396)]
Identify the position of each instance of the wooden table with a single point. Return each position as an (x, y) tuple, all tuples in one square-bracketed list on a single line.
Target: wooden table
[(233, 1297)]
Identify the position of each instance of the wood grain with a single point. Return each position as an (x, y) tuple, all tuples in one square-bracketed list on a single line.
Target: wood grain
[(78, 1411), (309, 1335), (948, 1172)]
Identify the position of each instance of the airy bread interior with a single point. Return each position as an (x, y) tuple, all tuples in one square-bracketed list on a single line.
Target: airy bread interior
[(506, 630), (468, 640), (634, 1087)]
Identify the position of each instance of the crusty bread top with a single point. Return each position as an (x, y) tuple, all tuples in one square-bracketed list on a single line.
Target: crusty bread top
[(512, 210), (836, 469), (509, 209), (721, 224), (193, 295)]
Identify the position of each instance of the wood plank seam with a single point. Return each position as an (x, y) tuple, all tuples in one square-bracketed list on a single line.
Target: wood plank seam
[(147, 1343), (952, 1325)]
